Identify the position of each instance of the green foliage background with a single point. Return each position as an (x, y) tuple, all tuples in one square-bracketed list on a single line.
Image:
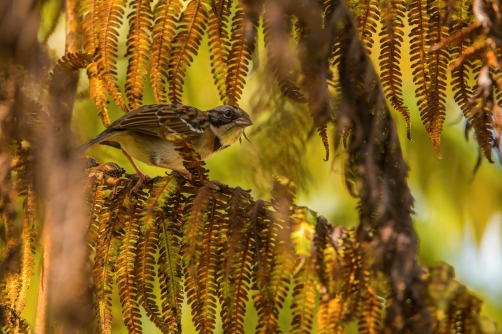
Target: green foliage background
[(458, 213)]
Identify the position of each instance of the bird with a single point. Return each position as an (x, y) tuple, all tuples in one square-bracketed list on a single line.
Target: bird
[(141, 134)]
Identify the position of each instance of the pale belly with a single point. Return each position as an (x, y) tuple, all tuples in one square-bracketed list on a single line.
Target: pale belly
[(153, 150)]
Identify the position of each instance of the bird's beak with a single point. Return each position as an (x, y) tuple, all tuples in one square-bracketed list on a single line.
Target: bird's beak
[(243, 121)]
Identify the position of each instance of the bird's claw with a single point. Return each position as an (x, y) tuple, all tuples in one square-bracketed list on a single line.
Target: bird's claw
[(137, 186)]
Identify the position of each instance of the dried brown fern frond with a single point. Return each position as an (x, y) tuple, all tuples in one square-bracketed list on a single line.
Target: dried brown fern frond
[(456, 308), (460, 75), (106, 256), (191, 27), (239, 57), (437, 63), (138, 44), (111, 13), (73, 61), (367, 19), (89, 10), (97, 90), (219, 44), (11, 322), (130, 232), (370, 320), (236, 272), (277, 29), (390, 55), (482, 112), (305, 279), (163, 32), (419, 43), (170, 260), (276, 261)]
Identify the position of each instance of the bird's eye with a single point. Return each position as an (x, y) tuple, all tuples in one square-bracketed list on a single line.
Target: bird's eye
[(228, 113)]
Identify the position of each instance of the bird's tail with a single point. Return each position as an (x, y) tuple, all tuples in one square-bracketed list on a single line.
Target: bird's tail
[(102, 137)]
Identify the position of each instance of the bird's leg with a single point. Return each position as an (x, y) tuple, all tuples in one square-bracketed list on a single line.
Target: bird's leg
[(142, 177), (178, 170)]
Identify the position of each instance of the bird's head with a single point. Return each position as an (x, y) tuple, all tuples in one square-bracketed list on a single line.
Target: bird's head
[(228, 123)]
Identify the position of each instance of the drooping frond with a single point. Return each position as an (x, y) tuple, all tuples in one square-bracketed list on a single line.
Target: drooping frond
[(419, 42), (277, 29), (191, 27), (149, 241), (370, 307), (460, 74), (89, 10), (170, 259), (219, 45), (201, 259), (111, 13), (97, 90), (437, 63), (239, 57), (236, 272), (138, 44), (390, 55), (367, 22), (305, 279), (106, 258), (163, 31), (130, 232), (275, 262)]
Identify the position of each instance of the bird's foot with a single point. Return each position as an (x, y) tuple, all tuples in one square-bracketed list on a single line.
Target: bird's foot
[(141, 178)]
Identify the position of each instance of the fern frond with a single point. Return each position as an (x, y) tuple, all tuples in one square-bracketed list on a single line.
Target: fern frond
[(97, 90), (145, 275), (170, 260), (370, 319), (105, 259), (277, 29), (73, 61), (419, 43), (328, 316), (367, 18), (239, 57), (433, 117), (191, 27), (460, 74), (89, 10), (202, 202), (219, 45), (278, 257), (390, 55), (305, 279), (11, 322), (237, 263), (163, 31), (304, 294), (110, 19), (480, 118), (138, 44), (202, 295), (128, 292)]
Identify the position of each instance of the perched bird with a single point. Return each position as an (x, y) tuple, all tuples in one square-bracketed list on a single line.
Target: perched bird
[(141, 134)]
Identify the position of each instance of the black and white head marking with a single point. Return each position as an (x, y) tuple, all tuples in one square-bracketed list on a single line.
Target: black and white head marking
[(228, 123)]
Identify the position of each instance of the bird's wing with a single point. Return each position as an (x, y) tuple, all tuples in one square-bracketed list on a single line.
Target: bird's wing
[(162, 119)]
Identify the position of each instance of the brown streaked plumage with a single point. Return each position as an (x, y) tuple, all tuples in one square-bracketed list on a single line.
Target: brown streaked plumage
[(141, 133)]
